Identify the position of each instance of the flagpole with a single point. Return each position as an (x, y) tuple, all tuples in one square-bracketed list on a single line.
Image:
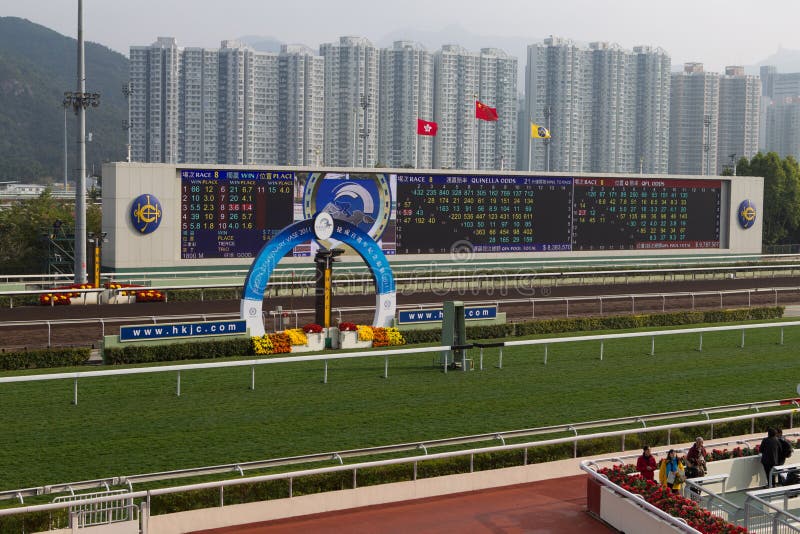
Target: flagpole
[(530, 144), (477, 141), (416, 149)]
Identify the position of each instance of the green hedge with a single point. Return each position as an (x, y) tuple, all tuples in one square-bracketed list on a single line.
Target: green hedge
[(243, 347), (34, 521), (37, 359), (19, 300), (587, 324), (178, 351), (187, 295)]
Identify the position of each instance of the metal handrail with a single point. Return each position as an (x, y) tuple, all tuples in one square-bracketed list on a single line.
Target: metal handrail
[(380, 463), (661, 260), (240, 467)]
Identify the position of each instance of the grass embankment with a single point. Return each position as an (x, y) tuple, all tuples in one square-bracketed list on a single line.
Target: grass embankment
[(136, 424)]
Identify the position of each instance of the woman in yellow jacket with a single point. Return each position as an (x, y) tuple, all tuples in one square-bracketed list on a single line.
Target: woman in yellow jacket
[(671, 472)]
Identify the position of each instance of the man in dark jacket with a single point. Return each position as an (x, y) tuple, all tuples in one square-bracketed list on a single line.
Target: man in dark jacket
[(770, 450)]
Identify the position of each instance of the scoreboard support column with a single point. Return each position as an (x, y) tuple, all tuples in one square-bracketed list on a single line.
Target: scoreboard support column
[(324, 260)]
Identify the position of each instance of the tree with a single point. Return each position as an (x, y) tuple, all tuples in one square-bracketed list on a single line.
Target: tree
[(781, 211), (25, 226)]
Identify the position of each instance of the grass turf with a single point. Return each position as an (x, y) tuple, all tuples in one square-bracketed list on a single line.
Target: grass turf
[(135, 424)]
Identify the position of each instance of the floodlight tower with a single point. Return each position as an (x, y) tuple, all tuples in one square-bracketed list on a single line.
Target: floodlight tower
[(80, 100)]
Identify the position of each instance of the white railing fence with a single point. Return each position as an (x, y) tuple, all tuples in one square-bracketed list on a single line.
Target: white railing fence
[(699, 300)]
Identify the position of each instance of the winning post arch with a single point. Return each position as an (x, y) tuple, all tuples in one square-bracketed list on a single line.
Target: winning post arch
[(301, 232)]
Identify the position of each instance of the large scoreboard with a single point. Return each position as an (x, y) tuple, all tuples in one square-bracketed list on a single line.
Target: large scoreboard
[(232, 214), (223, 215), (543, 214)]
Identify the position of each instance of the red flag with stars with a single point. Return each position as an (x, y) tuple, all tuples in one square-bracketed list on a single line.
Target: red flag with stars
[(484, 112), (426, 127)]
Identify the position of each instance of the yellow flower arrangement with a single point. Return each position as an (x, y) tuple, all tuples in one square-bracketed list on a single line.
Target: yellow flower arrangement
[(395, 337), (262, 345), (296, 336), (365, 333)]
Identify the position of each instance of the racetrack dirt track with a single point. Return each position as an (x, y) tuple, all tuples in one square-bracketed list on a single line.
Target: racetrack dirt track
[(92, 321)]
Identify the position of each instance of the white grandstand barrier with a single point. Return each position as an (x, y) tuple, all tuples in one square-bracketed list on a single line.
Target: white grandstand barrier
[(220, 485)]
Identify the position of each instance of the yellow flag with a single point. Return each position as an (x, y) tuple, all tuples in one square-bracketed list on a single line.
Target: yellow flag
[(539, 132)]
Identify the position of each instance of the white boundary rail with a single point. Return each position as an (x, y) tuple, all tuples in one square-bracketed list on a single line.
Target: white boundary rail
[(640, 421), (774, 292), (146, 496), (386, 354), (665, 261)]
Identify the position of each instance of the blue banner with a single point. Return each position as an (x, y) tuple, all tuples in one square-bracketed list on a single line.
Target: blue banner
[(436, 315), (180, 330)]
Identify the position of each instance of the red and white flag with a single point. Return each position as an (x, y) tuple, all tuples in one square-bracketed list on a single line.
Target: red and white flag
[(426, 127)]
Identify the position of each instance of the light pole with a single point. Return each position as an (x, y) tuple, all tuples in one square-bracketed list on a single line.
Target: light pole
[(547, 141), (80, 100), (127, 91), (365, 102), (67, 104), (707, 146)]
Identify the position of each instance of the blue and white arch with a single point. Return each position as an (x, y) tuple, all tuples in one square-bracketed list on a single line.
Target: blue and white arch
[(301, 232)]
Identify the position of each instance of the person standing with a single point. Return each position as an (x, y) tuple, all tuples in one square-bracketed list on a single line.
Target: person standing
[(646, 464), (770, 450), (786, 447), (696, 459), (671, 472)]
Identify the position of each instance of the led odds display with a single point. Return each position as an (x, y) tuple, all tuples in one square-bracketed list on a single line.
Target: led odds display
[(231, 214)]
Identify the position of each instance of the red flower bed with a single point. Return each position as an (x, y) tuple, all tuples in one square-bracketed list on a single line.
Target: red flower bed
[(312, 328), (62, 299), (348, 327), (150, 295), (380, 337), (280, 343), (672, 503)]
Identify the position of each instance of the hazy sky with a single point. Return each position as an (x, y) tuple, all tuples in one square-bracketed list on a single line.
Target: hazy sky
[(715, 32)]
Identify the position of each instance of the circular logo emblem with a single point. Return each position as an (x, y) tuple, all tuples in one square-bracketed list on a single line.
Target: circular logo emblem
[(323, 226), (746, 214), (363, 200), (146, 213)]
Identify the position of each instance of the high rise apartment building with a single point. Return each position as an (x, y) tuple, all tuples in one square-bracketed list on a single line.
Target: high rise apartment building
[(739, 117), (406, 94), (497, 140), (300, 106), (780, 104), (607, 108), (229, 105), (154, 101), (694, 121), (462, 77), (653, 85), (351, 102), (783, 127), (457, 84)]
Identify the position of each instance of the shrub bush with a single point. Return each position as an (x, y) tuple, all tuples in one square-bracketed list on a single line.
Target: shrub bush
[(178, 351), (39, 359), (188, 295), (587, 324)]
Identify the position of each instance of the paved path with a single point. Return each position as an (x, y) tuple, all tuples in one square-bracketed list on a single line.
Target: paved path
[(545, 507)]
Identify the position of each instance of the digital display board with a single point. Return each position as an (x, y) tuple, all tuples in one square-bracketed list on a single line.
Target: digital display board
[(232, 213), (492, 213), (538, 214), (630, 214)]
